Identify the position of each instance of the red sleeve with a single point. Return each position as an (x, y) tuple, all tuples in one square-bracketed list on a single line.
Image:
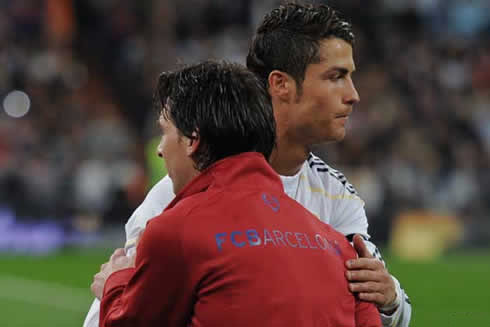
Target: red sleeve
[(153, 293), (367, 315)]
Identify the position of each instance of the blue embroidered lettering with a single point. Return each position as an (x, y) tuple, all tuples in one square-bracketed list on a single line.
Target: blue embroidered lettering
[(253, 237), (271, 201), (220, 239), (234, 241)]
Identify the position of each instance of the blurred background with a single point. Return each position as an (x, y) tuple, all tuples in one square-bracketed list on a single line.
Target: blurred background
[(78, 139)]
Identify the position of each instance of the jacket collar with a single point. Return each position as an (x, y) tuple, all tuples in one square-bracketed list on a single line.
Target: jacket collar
[(241, 170)]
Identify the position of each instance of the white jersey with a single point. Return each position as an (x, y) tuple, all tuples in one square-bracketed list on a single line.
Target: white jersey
[(326, 193), (321, 189)]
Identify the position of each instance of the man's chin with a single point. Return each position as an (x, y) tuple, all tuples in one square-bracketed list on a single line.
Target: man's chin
[(337, 138)]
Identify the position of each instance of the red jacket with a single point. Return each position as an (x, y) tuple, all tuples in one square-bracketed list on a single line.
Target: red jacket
[(232, 249)]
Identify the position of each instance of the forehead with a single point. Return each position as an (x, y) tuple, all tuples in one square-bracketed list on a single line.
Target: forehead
[(336, 52)]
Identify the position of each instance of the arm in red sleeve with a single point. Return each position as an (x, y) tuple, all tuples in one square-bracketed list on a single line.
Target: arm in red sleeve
[(154, 293), (367, 315)]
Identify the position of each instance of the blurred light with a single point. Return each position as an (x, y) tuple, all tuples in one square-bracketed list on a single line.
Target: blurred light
[(16, 104)]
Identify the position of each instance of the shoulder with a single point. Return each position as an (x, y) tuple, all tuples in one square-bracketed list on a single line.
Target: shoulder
[(318, 169), (338, 243), (346, 209), (175, 227), (162, 238), (156, 200)]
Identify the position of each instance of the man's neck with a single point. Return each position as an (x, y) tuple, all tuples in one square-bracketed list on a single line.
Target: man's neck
[(287, 159), (290, 153)]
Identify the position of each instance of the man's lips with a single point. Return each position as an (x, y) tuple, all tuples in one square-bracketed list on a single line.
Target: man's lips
[(346, 115)]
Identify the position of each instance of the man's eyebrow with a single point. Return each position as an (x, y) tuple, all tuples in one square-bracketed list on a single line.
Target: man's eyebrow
[(341, 70), (337, 69)]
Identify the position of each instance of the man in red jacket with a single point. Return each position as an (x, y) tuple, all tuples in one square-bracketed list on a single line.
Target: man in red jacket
[(232, 249)]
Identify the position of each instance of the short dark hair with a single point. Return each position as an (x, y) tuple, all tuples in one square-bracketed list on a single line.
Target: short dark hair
[(288, 39), (224, 103)]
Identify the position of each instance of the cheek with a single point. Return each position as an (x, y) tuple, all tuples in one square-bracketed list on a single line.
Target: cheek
[(321, 99), (165, 149), (161, 146), (328, 105)]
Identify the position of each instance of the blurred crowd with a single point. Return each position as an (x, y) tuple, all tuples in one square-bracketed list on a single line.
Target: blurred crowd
[(76, 80)]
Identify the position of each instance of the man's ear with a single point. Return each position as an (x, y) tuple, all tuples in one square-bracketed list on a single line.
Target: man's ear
[(281, 85), (193, 144)]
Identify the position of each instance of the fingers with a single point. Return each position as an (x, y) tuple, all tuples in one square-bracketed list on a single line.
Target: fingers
[(369, 278), (97, 286), (376, 292), (372, 285), (364, 275), (365, 263), (118, 261), (117, 253), (376, 298), (360, 247), (367, 287), (122, 262)]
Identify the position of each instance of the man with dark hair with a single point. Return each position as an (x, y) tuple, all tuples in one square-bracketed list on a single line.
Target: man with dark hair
[(229, 118), (303, 56), (231, 249)]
